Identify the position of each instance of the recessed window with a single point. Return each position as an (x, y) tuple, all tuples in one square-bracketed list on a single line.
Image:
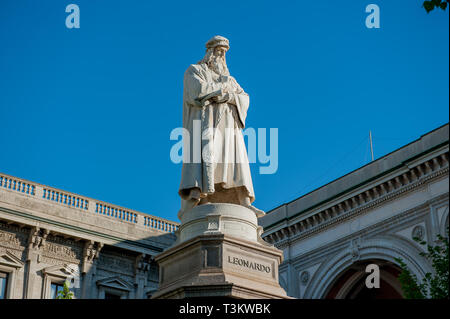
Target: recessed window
[(3, 284), (111, 296), (55, 289)]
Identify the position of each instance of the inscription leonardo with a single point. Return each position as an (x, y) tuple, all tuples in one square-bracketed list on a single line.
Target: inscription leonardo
[(248, 264)]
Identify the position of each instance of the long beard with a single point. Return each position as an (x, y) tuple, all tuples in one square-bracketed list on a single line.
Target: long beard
[(219, 66)]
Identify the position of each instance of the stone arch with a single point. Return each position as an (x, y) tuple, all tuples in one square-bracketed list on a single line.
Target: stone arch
[(351, 283), (443, 223), (385, 248), (282, 281)]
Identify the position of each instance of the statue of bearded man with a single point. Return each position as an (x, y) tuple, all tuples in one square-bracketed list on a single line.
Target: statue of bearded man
[(215, 165)]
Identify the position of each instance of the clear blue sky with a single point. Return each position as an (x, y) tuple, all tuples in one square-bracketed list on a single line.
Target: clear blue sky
[(90, 110)]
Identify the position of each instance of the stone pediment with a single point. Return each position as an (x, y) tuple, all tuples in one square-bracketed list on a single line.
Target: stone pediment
[(8, 259), (116, 283), (62, 271)]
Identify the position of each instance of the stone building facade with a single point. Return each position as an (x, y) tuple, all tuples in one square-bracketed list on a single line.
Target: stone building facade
[(328, 237), (369, 216), (48, 236)]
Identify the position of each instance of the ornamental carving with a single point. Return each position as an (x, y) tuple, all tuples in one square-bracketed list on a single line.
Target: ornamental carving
[(304, 277), (91, 251), (13, 237), (9, 240), (37, 238), (62, 249), (143, 262), (118, 264), (354, 249), (418, 232), (60, 252), (14, 229)]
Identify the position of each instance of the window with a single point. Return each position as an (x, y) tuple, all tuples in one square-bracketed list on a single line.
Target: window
[(55, 289), (111, 296), (3, 283)]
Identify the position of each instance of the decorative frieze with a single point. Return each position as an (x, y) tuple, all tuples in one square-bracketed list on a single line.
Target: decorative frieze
[(59, 252), (11, 240), (62, 249), (115, 263), (19, 254), (13, 237)]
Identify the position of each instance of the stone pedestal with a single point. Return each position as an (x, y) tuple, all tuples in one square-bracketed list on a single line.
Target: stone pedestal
[(219, 253)]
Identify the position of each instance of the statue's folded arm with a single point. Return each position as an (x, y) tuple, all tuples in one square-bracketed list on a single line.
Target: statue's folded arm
[(197, 90)]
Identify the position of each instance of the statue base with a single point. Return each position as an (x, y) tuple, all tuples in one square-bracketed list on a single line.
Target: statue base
[(219, 253)]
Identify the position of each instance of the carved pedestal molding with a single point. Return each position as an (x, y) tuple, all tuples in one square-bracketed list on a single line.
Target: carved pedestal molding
[(218, 218), (219, 252)]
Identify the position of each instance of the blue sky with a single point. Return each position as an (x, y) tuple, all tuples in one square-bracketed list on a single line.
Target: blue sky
[(90, 110)]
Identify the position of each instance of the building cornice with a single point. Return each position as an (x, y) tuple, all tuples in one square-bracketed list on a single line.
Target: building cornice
[(407, 217), (315, 220)]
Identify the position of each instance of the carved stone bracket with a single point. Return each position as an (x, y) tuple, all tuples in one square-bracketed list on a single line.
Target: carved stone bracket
[(142, 263), (37, 238), (91, 252), (36, 243)]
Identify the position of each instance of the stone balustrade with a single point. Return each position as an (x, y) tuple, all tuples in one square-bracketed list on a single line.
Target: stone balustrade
[(85, 204), (17, 185)]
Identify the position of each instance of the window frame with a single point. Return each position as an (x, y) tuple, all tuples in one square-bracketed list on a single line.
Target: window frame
[(12, 270), (5, 275), (47, 285), (103, 290), (57, 283)]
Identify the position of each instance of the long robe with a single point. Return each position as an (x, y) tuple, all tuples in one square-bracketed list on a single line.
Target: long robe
[(206, 165)]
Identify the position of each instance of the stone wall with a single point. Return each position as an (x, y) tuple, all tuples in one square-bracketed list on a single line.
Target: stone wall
[(49, 236), (368, 216)]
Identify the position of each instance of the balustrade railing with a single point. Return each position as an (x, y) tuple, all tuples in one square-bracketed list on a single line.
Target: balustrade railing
[(65, 198), (17, 185), (75, 201)]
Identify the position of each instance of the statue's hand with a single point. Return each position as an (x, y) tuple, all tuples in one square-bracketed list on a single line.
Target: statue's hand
[(222, 98)]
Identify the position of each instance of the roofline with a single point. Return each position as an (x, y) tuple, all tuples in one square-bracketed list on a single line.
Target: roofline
[(364, 182)]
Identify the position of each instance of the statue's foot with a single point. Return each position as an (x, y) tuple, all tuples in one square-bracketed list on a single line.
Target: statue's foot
[(258, 212), (246, 202)]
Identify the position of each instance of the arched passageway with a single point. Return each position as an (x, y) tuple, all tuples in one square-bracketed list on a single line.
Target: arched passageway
[(351, 283)]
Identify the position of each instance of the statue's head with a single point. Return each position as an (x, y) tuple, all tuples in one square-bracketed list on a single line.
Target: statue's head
[(216, 49)]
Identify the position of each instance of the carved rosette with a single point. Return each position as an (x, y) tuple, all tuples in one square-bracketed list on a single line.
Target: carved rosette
[(418, 232), (304, 277)]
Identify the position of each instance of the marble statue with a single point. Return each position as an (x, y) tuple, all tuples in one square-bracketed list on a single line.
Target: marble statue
[(217, 170)]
